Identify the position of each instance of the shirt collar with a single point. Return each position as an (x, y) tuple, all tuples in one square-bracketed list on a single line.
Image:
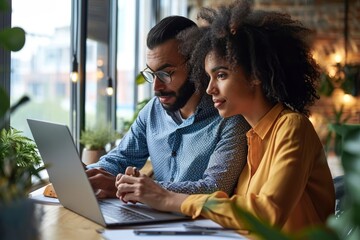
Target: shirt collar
[(267, 121)]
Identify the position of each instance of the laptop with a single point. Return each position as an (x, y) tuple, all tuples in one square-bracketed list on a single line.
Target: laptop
[(66, 173)]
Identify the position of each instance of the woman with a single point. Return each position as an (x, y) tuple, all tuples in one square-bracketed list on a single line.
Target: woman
[(260, 66)]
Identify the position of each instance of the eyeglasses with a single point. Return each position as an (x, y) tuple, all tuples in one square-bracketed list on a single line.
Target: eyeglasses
[(163, 76)]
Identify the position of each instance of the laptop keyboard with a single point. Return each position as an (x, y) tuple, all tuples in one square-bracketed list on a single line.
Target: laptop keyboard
[(116, 213)]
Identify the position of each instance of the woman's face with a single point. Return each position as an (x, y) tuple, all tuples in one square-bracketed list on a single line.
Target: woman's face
[(230, 88)]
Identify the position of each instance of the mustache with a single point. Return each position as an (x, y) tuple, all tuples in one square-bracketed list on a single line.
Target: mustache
[(164, 94)]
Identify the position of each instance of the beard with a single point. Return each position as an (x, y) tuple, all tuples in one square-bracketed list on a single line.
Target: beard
[(182, 96)]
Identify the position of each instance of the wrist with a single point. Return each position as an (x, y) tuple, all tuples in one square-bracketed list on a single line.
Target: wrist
[(174, 201)]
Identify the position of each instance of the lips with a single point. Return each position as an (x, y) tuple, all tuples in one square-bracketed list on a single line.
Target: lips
[(165, 99), (218, 103)]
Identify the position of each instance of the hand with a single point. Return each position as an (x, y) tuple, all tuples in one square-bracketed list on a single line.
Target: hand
[(102, 182), (144, 189), (130, 171)]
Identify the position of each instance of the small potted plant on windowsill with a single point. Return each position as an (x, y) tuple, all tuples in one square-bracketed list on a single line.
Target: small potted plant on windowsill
[(95, 140)]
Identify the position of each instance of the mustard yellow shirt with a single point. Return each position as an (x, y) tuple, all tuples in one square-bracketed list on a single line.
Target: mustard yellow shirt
[(286, 181)]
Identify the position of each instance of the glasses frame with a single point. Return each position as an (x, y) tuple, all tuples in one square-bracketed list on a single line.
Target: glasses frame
[(158, 74)]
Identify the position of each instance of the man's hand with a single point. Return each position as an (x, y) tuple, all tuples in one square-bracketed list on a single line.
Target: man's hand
[(102, 182), (143, 189)]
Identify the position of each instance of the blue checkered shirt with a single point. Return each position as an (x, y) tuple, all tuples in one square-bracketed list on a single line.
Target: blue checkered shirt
[(202, 154)]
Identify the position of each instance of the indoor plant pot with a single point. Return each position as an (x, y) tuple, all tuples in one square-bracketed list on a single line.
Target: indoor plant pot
[(95, 140)]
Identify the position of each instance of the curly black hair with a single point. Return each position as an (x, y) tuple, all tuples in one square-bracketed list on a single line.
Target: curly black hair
[(269, 46)]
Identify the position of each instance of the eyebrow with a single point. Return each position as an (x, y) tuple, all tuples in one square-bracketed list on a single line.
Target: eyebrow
[(214, 69), (161, 67)]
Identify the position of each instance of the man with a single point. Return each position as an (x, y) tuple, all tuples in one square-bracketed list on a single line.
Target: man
[(192, 149)]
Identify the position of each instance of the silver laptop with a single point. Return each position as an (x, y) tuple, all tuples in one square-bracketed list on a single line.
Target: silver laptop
[(66, 173)]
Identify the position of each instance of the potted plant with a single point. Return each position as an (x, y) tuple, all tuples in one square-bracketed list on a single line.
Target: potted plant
[(95, 140), (19, 161)]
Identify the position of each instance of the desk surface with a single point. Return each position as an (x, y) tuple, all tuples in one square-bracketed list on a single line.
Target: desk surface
[(59, 223)]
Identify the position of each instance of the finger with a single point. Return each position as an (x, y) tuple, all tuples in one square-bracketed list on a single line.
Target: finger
[(118, 177), (128, 179), (100, 193), (120, 195), (129, 197), (136, 172), (129, 171), (91, 172)]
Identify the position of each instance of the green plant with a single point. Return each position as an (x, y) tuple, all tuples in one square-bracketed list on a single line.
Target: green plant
[(97, 137), (19, 160), (333, 136)]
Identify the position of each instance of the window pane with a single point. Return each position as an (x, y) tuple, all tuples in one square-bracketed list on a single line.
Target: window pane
[(125, 61), (41, 69), (97, 54)]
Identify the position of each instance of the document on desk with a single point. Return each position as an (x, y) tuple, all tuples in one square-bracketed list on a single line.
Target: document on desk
[(173, 231)]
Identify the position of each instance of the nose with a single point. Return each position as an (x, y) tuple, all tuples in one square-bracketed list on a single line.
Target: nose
[(158, 84), (211, 88)]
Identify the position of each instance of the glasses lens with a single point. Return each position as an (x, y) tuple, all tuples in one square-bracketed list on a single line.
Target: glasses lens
[(149, 76), (163, 76)]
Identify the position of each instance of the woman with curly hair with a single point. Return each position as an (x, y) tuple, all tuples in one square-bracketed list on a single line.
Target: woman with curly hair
[(257, 64)]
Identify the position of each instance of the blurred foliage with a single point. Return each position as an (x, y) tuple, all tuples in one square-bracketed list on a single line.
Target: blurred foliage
[(333, 137), (12, 39), (19, 160), (347, 77)]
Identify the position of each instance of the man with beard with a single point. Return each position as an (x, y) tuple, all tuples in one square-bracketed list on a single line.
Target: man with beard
[(191, 148)]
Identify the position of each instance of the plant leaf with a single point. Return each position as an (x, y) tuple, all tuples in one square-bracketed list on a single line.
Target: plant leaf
[(4, 5), (12, 39), (140, 79)]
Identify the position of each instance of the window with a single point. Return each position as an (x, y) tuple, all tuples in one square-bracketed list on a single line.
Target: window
[(41, 69)]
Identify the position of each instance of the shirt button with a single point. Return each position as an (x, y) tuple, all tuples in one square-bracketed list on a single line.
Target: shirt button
[(173, 154), (171, 179)]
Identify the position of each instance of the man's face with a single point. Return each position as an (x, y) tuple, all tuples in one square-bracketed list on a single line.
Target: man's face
[(166, 58)]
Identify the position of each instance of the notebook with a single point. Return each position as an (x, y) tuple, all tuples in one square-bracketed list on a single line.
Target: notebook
[(66, 173)]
